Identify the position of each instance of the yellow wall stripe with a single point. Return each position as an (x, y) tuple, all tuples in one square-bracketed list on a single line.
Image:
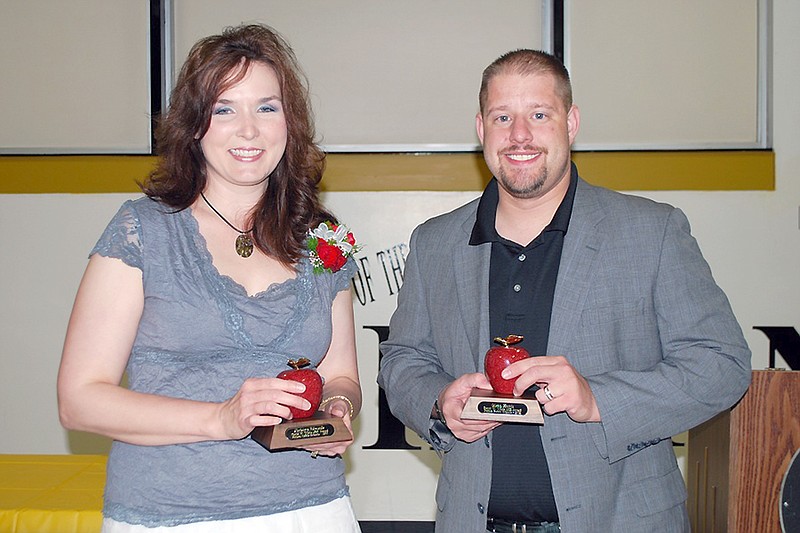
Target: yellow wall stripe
[(745, 170), (667, 170), (72, 174)]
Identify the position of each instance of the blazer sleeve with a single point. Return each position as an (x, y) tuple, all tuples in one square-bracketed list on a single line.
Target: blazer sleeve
[(411, 373), (704, 363)]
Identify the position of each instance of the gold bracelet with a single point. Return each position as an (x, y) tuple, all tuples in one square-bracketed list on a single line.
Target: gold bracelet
[(326, 401)]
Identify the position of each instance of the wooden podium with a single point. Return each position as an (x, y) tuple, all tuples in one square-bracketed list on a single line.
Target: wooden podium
[(738, 459)]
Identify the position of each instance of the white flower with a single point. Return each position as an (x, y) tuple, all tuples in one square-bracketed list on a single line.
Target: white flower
[(340, 234), (323, 232), (339, 237)]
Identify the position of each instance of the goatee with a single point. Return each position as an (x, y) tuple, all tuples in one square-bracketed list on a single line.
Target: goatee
[(524, 189)]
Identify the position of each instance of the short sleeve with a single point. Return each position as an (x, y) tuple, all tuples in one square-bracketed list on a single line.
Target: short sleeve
[(342, 277), (122, 238)]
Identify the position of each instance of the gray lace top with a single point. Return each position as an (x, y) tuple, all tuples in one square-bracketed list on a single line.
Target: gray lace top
[(199, 337)]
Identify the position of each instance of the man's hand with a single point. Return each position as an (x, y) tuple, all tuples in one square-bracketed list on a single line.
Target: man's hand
[(451, 403), (562, 388)]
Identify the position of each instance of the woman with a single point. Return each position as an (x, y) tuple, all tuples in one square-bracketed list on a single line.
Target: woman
[(202, 291)]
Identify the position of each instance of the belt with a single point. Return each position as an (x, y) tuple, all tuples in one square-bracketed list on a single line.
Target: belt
[(498, 525)]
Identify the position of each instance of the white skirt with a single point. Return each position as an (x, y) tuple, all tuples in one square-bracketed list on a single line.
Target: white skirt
[(334, 517)]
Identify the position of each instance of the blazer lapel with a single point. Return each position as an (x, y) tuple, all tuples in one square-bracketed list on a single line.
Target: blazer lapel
[(578, 256), (471, 267)]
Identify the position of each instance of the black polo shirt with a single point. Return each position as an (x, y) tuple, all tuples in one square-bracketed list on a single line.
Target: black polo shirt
[(522, 282)]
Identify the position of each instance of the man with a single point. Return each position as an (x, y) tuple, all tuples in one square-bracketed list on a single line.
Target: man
[(633, 340)]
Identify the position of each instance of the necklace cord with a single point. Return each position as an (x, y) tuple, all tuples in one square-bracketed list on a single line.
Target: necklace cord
[(225, 220)]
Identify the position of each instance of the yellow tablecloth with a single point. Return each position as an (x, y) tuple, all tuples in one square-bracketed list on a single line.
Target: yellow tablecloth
[(51, 493)]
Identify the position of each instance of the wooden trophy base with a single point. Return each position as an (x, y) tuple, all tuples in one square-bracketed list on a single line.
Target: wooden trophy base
[(489, 405), (318, 429)]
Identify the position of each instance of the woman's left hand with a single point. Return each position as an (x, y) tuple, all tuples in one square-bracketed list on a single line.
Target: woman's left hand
[(341, 409)]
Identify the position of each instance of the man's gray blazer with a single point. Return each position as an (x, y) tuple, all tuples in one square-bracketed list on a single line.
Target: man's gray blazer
[(636, 311)]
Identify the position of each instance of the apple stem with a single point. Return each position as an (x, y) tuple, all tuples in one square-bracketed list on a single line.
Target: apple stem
[(511, 339), (300, 363)]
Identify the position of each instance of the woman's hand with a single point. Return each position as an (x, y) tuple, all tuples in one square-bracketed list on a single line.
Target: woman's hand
[(260, 402), (341, 409)]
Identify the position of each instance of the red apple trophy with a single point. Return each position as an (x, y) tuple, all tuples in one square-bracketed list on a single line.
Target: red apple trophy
[(500, 404), (307, 426)]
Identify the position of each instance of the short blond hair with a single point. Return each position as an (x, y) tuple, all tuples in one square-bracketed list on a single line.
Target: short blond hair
[(526, 62)]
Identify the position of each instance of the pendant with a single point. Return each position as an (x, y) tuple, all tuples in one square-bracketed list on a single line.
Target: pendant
[(244, 245)]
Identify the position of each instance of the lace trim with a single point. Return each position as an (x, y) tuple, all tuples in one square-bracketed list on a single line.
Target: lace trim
[(121, 513), (301, 307), (219, 288), (222, 286), (122, 238)]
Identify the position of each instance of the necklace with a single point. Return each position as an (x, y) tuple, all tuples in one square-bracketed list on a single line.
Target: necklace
[(244, 243)]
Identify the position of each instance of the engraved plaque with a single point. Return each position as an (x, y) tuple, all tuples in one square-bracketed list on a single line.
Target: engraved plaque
[(318, 429), (490, 405)]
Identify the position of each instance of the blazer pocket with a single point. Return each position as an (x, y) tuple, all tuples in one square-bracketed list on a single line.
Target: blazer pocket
[(656, 494), (610, 312)]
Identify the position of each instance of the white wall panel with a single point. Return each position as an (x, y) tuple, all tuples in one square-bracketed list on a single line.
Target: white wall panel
[(383, 73), (74, 76), (655, 74)]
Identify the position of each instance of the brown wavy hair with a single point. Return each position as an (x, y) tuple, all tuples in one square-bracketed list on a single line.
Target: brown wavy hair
[(290, 204)]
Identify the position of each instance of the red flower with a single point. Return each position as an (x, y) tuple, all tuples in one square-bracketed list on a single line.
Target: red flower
[(331, 256), (351, 239)]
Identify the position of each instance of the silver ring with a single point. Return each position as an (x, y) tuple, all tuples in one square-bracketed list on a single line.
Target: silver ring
[(547, 392), (314, 455)]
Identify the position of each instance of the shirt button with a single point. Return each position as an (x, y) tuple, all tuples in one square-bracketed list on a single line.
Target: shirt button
[(517, 287), (521, 257), (480, 508), (486, 440)]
